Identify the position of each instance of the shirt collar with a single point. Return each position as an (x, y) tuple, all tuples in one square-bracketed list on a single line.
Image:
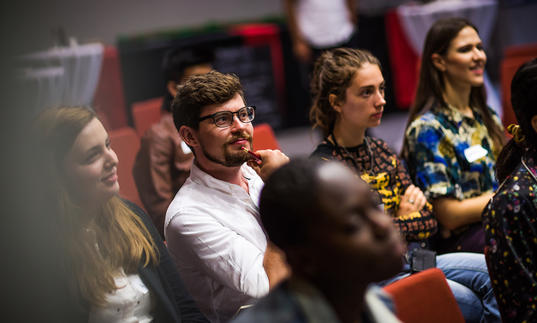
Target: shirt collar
[(200, 177)]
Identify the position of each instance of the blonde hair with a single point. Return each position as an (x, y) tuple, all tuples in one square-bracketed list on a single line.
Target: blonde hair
[(97, 245)]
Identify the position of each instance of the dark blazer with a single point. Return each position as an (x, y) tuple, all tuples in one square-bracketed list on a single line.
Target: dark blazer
[(174, 302)]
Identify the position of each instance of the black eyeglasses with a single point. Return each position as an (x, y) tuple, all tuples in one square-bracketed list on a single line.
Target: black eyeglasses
[(224, 119)]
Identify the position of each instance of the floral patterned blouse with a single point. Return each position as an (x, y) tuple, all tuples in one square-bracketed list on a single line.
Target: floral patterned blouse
[(450, 154), (510, 222), (379, 166)]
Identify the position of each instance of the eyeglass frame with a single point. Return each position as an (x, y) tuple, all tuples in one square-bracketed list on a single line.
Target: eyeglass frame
[(212, 116)]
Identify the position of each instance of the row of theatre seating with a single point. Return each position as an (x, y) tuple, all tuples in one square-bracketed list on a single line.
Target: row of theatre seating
[(422, 297)]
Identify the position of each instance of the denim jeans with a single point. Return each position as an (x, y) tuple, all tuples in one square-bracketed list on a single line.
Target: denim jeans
[(468, 278), (470, 270)]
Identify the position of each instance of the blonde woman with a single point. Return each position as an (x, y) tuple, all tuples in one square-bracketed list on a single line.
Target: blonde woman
[(120, 269)]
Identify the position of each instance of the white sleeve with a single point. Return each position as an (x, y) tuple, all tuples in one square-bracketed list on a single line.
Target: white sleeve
[(197, 239)]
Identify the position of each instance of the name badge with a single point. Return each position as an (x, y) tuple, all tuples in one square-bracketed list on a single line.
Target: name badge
[(474, 153)]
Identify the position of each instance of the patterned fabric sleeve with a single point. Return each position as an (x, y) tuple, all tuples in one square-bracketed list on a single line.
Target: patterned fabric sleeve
[(390, 180), (511, 251), (416, 225), (429, 153)]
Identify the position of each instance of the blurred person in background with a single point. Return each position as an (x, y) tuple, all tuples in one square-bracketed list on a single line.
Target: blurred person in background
[(317, 25), (163, 163)]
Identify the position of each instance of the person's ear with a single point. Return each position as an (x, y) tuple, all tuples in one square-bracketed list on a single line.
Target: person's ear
[(334, 102), (189, 136), (438, 62), (534, 123), (172, 88)]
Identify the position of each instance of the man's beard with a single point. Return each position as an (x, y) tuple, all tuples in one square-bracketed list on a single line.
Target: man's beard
[(231, 159)]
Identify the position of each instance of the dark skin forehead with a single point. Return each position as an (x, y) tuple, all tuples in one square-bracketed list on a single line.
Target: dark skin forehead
[(336, 183)]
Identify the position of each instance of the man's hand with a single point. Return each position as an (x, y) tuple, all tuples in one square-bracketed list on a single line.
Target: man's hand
[(270, 161)]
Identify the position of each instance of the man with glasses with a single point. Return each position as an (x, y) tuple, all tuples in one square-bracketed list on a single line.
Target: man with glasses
[(212, 226)]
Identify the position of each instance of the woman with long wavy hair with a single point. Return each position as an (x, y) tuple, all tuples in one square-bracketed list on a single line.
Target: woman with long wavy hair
[(118, 268), (453, 138)]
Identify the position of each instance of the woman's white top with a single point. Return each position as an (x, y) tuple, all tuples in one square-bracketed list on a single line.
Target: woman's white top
[(129, 303)]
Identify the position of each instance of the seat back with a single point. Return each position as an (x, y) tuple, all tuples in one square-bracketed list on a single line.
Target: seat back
[(145, 113), (404, 61), (109, 98), (514, 57), (126, 143), (425, 297), (264, 137)]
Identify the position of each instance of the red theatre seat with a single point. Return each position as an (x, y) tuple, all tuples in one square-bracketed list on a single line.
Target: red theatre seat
[(404, 61), (264, 137), (145, 113), (425, 297), (126, 143), (514, 57), (109, 99)]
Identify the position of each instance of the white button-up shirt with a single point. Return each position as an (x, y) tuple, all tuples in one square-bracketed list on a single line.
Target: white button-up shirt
[(214, 233)]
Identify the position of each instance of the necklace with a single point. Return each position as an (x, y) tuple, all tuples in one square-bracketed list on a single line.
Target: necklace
[(349, 156), (528, 169)]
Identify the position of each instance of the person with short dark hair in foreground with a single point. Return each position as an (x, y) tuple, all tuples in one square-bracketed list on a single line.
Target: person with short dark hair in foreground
[(337, 242)]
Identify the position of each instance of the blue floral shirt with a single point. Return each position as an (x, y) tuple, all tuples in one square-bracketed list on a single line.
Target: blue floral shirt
[(451, 155)]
